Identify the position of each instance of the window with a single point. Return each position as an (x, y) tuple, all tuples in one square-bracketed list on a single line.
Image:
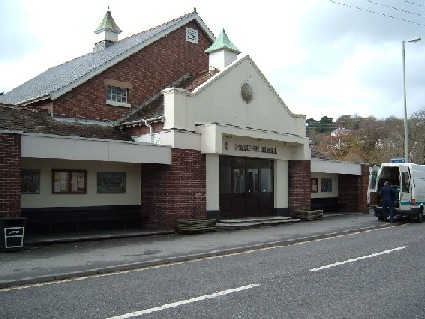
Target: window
[(69, 182), (314, 185), (225, 179), (326, 185), (405, 182), (239, 180), (30, 181), (111, 182), (116, 94), (266, 179)]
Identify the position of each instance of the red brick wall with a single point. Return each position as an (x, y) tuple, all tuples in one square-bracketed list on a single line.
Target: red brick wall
[(10, 175), (148, 71), (174, 192), (352, 191), (363, 187), (299, 179)]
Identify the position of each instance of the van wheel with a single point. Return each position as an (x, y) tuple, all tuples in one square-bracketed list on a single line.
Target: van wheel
[(420, 217)]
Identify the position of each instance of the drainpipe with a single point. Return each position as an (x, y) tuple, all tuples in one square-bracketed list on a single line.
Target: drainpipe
[(150, 129)]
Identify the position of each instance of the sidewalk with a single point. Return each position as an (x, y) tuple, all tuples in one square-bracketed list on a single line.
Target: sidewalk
[(35, 264)]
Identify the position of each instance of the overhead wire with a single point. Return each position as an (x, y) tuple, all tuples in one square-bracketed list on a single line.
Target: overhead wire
[(394, 8), (416, 4), (378, 13)]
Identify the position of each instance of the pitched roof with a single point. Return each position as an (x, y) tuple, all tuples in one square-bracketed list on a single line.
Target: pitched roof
[(154, 107), (60, 79), (25, 120)]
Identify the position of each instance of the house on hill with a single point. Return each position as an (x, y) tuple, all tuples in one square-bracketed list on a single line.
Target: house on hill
[(171, 123)]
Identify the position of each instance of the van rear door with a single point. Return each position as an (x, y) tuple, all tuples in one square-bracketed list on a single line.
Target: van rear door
[(372, 188), (405, 188)]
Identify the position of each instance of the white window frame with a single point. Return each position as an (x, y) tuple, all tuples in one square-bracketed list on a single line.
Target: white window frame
[(117, 96)]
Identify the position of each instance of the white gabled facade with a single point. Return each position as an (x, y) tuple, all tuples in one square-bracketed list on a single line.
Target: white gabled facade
[(218, 103), (217, 120)]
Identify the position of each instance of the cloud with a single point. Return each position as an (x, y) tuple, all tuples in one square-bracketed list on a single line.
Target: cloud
[(18, 40), (352, 61), (322, 58)]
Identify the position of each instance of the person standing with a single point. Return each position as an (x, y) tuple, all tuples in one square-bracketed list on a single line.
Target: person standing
[(387, 195)]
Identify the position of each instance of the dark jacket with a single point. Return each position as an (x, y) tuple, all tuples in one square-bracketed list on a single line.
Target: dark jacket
[(387, 193)]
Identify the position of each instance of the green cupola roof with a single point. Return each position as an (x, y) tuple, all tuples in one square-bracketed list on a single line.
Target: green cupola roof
[(108, 24), (222, 42)]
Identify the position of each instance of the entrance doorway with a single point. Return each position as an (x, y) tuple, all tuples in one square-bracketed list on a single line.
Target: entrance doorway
[(246, 187)]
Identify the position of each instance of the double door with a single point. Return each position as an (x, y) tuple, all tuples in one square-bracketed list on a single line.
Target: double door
[(246, 187)]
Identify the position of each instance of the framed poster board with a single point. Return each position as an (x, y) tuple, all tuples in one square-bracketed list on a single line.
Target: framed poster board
[(30, 181), (69, 181), (111, 182), (326, 185)]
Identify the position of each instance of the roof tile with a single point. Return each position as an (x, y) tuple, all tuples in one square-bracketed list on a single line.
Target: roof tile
[(25, 120), (64, 75)]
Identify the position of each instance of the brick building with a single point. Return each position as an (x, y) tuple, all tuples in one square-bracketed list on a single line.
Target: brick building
[(168, 124)]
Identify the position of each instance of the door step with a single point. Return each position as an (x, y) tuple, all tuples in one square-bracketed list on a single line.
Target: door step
[(254, 222)]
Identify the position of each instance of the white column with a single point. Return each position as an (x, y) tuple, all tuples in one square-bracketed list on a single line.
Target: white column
[(174, 108), (281, 184), (213, 181)]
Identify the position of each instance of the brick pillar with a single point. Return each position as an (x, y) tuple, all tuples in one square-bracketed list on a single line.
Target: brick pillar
[(10, 175), (352, 191), (299, 185), (176, 191), (363, 187)]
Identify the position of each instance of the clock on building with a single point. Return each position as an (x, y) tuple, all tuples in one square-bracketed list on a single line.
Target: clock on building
[(191, 35)]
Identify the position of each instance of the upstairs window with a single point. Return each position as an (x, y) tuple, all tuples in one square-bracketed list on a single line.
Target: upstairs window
[(116, 94)]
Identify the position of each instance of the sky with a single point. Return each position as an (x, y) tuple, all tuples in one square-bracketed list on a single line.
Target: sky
[(323, 57)]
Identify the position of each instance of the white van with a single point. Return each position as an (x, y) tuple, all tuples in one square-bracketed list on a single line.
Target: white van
[(408, 179)]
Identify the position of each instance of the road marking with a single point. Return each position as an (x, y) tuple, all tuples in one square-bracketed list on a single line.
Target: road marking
[(196, 259), (184, 302), (339, 263)]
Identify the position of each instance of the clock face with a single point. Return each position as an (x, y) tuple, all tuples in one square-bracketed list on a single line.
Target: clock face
[(191, 35), (247, 92)]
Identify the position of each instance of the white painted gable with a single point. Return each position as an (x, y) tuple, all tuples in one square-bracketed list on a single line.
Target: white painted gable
[(219, 101), (216, 111)]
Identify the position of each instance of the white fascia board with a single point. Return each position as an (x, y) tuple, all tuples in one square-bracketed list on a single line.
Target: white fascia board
[(335, 167), (181, 139), (135, 49), (82, 149), (212, 136)]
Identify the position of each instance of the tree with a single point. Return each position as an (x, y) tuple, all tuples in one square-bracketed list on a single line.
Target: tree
[(416, 127), (370, 140)]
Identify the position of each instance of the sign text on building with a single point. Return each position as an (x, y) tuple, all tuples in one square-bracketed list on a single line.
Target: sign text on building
[(255, 148)]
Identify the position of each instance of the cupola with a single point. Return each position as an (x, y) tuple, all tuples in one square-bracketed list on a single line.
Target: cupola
[(222, 52), (107, 32)]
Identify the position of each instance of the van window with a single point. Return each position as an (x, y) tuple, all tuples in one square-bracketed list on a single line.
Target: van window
[(372, 182), (405, 182)]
